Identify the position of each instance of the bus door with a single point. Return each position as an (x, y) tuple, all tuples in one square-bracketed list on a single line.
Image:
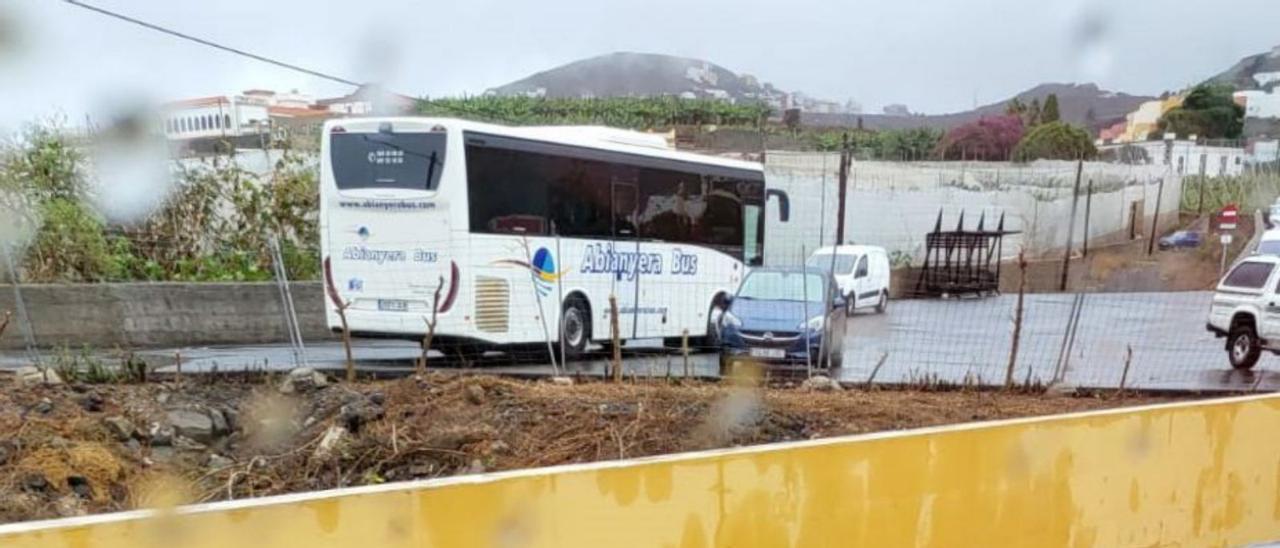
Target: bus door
[(626, 273)]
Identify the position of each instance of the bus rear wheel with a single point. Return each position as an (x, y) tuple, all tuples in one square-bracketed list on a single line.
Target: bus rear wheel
[(575, 327)]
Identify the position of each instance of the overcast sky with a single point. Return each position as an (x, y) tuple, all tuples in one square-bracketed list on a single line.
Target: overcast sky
[(933, 55)]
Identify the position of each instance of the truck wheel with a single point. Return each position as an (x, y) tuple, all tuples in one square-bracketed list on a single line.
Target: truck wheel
[(1242, 347)]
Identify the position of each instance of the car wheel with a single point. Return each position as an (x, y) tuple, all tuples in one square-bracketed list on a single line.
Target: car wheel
[(850, 306), (883, 305), (575, 328), (1243, 348)]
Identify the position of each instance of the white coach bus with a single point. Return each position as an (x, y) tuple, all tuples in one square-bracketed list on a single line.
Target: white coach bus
[(525, 232)]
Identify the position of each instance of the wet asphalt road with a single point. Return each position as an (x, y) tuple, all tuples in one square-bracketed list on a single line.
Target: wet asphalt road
[(952, 341)]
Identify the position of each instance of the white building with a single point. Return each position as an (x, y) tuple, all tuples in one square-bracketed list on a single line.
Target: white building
[(214, 117), (1186, 156), (367, 100)]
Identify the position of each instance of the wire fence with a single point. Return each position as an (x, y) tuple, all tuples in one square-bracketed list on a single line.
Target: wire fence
[(520, 303)]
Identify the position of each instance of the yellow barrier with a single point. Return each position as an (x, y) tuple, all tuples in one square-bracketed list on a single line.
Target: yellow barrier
[(1191, 474)]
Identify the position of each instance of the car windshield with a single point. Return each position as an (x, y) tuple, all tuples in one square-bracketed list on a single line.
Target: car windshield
[(783, 286), (843, 263), (1269, 247)]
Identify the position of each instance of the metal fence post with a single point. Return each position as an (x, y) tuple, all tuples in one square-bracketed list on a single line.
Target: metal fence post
[(286, 302), (24, 321)]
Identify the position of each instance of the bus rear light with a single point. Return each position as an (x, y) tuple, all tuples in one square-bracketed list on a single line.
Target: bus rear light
[(438, 129)]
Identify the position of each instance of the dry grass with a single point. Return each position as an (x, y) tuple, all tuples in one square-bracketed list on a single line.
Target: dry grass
[(431, 427)]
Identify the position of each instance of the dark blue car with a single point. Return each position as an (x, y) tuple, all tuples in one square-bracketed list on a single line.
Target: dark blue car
[(784, 316), (1181, 238)]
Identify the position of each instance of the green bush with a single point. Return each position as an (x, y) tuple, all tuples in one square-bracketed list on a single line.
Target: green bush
[(1055, 141)]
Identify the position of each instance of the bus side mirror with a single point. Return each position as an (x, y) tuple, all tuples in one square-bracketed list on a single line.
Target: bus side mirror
[(784, 203)]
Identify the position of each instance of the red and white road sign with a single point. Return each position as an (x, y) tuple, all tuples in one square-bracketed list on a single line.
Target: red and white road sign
[(1228, 217)]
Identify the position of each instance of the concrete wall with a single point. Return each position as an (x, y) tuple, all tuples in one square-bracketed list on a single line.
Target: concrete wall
[(1185, 474), (895, 205), (161, 314)]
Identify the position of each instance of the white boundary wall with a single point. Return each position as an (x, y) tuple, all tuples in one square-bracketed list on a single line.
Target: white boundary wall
[(894, 205)]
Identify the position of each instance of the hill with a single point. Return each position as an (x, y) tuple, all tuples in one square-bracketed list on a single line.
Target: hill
[(1261, 71), (1081, 104), (627, 74)]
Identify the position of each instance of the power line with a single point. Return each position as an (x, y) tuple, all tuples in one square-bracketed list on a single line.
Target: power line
[(215, 45)]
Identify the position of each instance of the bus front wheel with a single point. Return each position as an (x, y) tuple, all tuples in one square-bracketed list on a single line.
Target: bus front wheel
[(575, 327)]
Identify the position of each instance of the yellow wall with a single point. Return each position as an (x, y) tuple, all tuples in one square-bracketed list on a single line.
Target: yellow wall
[(1198, 474)]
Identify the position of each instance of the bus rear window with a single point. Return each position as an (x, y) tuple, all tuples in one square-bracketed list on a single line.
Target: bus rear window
[(387, 160)]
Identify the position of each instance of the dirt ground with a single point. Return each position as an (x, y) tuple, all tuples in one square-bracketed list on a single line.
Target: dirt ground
[(1127, 267), (77, 449)]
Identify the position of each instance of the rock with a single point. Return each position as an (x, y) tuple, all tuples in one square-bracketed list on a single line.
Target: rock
[(32, 375), (35, 482), (217, 461), (356, 414), (616, 409), (562, 381), (133, 446), (302, 380), (1061, 389), (820, 383), (476, 467), (233, 419), (121, 429), (219, 422), (80, 486), (333, 437), (378, 398), (91, 402), (192, 424), (187, 444), (70, 506), (500, 447), (161, 435), (475, 394), (79, 387), (44, 406), (161, 454), (163, 398)]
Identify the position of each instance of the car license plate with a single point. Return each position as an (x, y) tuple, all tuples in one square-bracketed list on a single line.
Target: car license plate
[(767, 353), (393, 305)]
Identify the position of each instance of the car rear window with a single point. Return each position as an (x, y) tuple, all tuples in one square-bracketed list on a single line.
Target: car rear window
[(1249, 275)]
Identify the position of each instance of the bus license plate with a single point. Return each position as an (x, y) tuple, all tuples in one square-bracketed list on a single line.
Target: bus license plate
[(767, 353), (394, 305)]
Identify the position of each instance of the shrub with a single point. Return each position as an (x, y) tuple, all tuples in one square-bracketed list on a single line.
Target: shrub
[(1055, 141), (989, 138)]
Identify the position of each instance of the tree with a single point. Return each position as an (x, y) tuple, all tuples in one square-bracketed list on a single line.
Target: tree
[(1032, 117), (1055, 140), (1050, 112), (1209, 111), (1015, 107), (989, 138)]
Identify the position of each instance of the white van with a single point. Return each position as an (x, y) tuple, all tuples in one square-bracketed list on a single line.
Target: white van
[(861, 271)]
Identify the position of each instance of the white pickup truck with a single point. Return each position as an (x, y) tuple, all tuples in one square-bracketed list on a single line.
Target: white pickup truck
[(1246, 310)]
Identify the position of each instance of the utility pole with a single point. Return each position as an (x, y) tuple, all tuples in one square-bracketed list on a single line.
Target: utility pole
[(843, 190), (1071, 226)]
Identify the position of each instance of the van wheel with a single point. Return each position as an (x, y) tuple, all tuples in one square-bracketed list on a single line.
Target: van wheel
[(850, 306), (1242, 347), (883, 305), (575, 328)]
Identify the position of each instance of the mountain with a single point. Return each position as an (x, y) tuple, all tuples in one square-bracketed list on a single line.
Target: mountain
[(627, 74), (1081, 104), (1261, 71)]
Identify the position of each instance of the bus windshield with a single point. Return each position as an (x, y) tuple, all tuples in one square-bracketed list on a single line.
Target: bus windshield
[(387, 160)]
